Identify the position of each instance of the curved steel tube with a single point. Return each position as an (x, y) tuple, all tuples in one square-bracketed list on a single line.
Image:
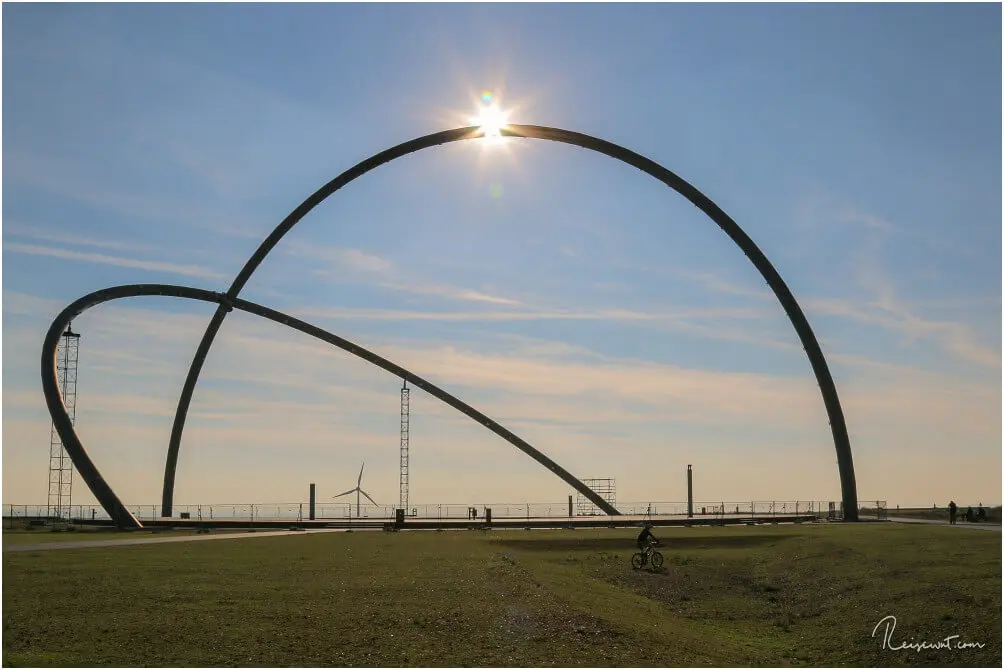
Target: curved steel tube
[(103, 492), (831, 400)]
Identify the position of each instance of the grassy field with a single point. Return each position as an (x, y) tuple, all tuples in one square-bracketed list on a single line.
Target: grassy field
[(769, 595)]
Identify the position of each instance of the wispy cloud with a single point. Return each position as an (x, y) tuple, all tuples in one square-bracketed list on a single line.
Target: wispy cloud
[(882, 306), (360, 260), (566, 399), (954, 338), (545, 383), (715, 282), (261, 356), (346, 264), (274, 357), (35, 233), (340, 260), (210, 168), (119, 261), (25, 304), (612, 314), (451, 292), (820, 211), (886, 309), (667, 386), (65, 177), (850, 214)]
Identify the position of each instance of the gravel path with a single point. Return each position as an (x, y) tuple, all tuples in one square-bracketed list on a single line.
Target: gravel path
[(90, 544)]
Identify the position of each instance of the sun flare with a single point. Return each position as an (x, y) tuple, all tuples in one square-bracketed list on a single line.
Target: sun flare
[(491, 120)]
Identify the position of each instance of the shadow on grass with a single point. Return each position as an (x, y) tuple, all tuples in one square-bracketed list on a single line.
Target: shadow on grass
[(627, 543)]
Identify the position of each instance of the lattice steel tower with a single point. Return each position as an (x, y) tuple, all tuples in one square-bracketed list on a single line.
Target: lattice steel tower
[(606, 488), (60, 465), (405, 418)]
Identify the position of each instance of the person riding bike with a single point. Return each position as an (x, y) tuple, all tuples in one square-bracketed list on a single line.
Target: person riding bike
[(647, 553), (646, 539)]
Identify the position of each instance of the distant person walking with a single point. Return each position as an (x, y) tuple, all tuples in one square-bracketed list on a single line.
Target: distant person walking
[(953, 509)]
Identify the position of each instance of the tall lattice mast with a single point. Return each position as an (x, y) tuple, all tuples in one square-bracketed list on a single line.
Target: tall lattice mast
[(405, 418), (60, 465), (606, 488)]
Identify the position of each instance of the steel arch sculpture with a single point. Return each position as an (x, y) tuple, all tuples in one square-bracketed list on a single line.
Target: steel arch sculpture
[(838, 427), (731, 228), (103, 492)]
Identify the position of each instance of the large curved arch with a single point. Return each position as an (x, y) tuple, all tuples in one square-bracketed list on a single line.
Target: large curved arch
[(828, 389), (103, 492)]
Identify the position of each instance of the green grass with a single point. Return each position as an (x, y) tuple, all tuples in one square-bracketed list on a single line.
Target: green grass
[(769, 595)]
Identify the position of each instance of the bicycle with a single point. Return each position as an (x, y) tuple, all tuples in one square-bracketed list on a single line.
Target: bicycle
[(639, 560)]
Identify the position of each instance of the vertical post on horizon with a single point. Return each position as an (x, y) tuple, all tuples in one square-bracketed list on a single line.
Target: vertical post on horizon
[(690, 491)]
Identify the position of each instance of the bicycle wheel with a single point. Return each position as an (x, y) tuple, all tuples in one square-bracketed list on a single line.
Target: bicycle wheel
[(656, 559), (637, 561)]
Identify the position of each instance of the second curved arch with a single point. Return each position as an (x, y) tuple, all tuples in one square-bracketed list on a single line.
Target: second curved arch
[(107, 497)]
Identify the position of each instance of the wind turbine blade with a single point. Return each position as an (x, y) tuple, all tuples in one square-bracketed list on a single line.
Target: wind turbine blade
[(359, 482), (345, 494), (368, 496)]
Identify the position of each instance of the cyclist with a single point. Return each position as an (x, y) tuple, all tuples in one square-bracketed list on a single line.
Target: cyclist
[(646, 539)]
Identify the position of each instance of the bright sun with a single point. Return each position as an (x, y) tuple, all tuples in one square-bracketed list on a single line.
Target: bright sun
[(491, 120)]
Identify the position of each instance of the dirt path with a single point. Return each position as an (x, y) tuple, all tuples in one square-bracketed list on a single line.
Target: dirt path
[(934, 522), (90, 544)]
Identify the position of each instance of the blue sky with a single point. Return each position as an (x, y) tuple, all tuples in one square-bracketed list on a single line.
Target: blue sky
[(579, 302)]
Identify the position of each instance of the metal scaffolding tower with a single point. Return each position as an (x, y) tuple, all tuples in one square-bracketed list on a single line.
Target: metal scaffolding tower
[(60, 465), (605, 488), (405, 418)]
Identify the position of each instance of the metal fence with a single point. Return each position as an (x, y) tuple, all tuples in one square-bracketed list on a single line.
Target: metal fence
[(452, 511)]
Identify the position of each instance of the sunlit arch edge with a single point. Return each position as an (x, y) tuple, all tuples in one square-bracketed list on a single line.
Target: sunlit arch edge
[(791, 307), (104, 493)]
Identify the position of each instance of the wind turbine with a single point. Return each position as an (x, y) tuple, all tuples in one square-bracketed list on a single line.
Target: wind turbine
[(357, 490)]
